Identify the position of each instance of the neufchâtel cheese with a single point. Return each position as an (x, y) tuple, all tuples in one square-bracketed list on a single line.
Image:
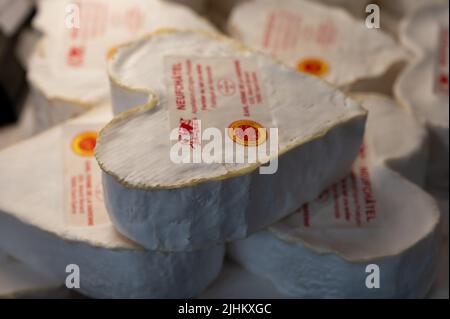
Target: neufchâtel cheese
[(314, 38), (374, 234), (197, 83), (67, 68), (37, 228), (423, 86), (395, 136)]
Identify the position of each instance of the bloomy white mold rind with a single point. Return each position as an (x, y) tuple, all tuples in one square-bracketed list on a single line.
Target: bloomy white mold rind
[(32, 229), (197, 212), (304, 267)]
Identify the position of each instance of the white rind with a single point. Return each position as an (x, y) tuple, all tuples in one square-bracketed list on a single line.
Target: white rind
[(415, 90), (358, 54), (173, 207), (66, 92), (395, 137), (32, 229), (331, 263)]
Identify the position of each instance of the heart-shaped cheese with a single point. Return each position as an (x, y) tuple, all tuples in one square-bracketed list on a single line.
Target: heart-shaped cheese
[(321, 40), (423, 86), (169, 206), (34, 229), (67, 69), (372, 223)]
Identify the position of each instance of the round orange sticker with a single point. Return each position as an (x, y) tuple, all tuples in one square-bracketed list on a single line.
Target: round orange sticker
[(247, 133), (313, 66), (84, 144)]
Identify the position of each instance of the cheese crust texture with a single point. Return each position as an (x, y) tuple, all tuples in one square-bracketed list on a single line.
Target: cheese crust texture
[(372, 217), (311, 37), (67, 68), (169, 206), (395, 137), (33, 229), (423, 86)]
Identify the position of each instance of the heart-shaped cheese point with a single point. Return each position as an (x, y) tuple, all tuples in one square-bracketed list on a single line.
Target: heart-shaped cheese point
[(372, 217), (67, 69), (423, 86), (35, 229), (395, 137), (317, 39), (169, 205)]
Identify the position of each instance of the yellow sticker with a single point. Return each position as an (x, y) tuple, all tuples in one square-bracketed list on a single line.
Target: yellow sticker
[(84, 144), (247, 133), (313, 66)]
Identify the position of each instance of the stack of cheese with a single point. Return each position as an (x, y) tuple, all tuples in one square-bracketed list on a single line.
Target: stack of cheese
[(317, 39), (423, 86), (52, 216), (172, 79), (373, 229), (67, 69)]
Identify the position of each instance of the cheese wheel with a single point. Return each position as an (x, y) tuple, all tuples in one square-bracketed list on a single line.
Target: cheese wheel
[(168, 206), (395, 136), (67, 69), (423, 86), (33, 229), (374, 216), (313, 38)]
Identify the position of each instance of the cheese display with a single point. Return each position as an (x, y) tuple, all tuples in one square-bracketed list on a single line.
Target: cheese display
[(423, 86), (395, 136), (51, 227), (199, 6), (317, 39), (176, 79), (67, 69), (372, 217)]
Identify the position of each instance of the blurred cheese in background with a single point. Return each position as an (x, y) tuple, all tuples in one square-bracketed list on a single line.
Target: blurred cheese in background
[(393, 12), (310, 37), (67, 69), (356, 7), (200, 6), (423, 86), (12, 14), (39, 227), (374, 216), (395, 137)]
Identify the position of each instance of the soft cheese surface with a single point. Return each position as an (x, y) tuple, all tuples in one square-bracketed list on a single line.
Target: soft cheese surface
[(297, 30), (302, 107)]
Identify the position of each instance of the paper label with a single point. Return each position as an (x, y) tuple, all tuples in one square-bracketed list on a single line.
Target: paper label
[(348, 203), (442, 65), (84, 205), (222, 93), (102, 24)]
